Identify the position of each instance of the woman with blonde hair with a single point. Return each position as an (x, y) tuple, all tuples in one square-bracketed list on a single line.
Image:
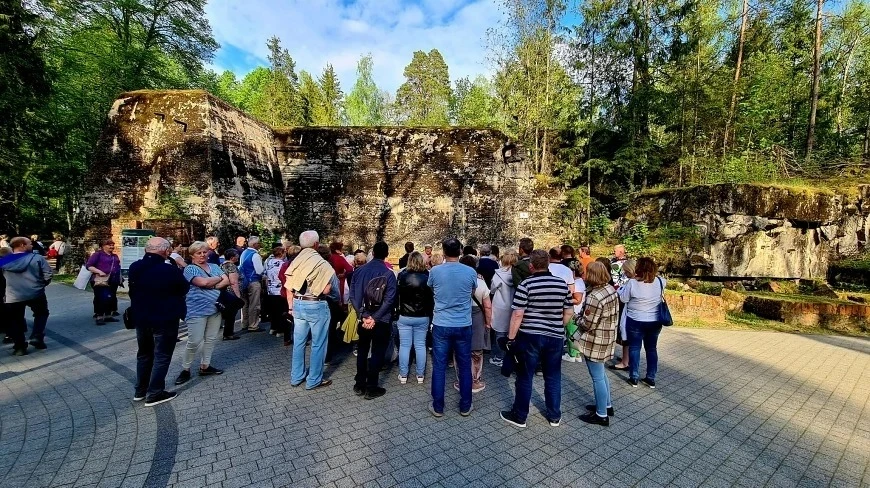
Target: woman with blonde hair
[(595, 338), (436, 259), (203, 318), (502, 296), (416, 303)]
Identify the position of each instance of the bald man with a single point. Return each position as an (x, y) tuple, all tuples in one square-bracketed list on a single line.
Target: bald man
[(157, 293)]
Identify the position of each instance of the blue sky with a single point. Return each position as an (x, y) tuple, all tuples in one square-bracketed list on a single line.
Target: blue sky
[(317, 32)]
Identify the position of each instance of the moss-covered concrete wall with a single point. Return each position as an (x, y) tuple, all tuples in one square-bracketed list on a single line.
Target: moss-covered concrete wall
[(187, 155), (765, 230)]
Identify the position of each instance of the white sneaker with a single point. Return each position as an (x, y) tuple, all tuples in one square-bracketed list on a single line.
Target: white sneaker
[(403, 379), (420, 380), (568, 358), (495, 362)]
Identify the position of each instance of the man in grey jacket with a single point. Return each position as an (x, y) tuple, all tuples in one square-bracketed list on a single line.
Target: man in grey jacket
[(27, 275)]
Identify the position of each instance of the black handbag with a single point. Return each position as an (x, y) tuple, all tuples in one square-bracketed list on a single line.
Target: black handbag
[(228, 302), (128, 318), (663, 314)]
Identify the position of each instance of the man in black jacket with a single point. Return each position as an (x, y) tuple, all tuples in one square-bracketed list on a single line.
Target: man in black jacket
[(157, 296)]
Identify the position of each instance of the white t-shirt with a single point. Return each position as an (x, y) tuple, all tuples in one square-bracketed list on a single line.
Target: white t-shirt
[(580, 287), (642, 299), (480, 292), (562, 271)]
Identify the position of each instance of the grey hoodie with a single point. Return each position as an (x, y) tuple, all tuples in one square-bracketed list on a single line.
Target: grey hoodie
[(26, 278)]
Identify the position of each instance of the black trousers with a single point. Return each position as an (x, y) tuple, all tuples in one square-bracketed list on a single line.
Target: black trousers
[(229, 322), (335, 334), (275, 306), (156, 345), (368, 370), (17, 324)]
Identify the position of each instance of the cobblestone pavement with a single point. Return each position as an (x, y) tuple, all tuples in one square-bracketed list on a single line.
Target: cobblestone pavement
[(731, 408)]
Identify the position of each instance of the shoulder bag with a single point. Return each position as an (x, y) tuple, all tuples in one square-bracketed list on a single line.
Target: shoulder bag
[(104, 280), (663, 314), (226, 301)]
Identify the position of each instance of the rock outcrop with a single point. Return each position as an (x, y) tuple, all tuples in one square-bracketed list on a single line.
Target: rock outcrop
[(765, 231), (215, 165)]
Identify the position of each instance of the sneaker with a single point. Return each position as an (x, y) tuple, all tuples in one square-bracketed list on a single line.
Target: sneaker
[(210, 371), (554, 423), (477, 386), (594, 419), (110, 319), (434, 413), (403, 379), (231, 338), (279, 334), (648, 382), (594, 408), (163, 396), (374, 392), (354, 351), (19, 352), (273, 332), (496, 362), (183, 377), (632, 382), (568, 358), (467, 412), (359, 390), (539, 372), (509, 417), (41, 345), (138, 397), (420, 380)]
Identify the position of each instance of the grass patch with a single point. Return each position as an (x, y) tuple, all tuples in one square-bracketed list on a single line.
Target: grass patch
[(66, 279)]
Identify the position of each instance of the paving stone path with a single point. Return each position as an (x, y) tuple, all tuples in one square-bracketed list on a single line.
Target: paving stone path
[(732, 408)]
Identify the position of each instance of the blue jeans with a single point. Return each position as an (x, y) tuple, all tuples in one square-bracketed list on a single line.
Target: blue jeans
[(646, 333), (537, 349), (156, 344), (497, 352), (455, 340), (412, 330), (600, 385), (310, 316)]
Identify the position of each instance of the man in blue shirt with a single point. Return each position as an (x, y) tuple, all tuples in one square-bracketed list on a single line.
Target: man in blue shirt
[(453, 283), (375, 329)]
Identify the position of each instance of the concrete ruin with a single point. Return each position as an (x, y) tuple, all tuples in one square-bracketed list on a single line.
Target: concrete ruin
[(764, 230), (186, 156)]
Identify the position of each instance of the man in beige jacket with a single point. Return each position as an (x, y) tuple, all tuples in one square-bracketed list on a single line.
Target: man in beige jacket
[(308, 281)]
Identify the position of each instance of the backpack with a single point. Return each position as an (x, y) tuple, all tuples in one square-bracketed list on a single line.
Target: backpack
[(373, 294), (52, 253)]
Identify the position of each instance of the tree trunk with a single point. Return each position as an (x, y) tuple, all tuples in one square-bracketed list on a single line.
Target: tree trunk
[(866, 153), (814, 93), (737, 68)]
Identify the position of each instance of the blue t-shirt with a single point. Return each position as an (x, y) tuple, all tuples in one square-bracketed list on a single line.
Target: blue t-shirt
[(453, 283), (201, 301)]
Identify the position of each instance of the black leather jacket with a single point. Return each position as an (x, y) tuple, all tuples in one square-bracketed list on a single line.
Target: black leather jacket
[(415, 296)]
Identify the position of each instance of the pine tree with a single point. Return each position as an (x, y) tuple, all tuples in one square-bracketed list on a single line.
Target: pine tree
[(330, 90), (424, 97)]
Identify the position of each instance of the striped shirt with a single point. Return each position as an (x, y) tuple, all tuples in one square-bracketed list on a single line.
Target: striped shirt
[(543, 299)]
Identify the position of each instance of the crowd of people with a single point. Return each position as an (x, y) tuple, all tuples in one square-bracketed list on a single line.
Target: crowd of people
[(530, 309)]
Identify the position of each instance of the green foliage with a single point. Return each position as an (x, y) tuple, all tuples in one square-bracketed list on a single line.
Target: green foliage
[(331, 103), (171, 204), (365, 104), (473, 103), (424, 97)]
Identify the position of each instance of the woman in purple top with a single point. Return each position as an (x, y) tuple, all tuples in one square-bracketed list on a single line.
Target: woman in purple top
[(104, 263)]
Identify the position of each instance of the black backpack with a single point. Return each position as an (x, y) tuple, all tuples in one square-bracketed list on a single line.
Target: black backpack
[(373, 295)]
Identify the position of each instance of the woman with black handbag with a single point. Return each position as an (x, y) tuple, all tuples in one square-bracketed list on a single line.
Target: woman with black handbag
[(231, 268), (203, 317), (643, 297)]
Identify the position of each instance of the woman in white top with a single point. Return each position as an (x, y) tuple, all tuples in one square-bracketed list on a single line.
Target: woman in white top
[(175, 256), (642, 296), (276, 305), (502, 294), (622, 337)]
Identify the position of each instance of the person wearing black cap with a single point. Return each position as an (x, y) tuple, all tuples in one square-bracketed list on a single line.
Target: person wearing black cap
[(276, 305)]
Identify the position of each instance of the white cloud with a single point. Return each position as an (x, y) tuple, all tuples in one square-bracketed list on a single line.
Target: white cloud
[(317, 32)]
